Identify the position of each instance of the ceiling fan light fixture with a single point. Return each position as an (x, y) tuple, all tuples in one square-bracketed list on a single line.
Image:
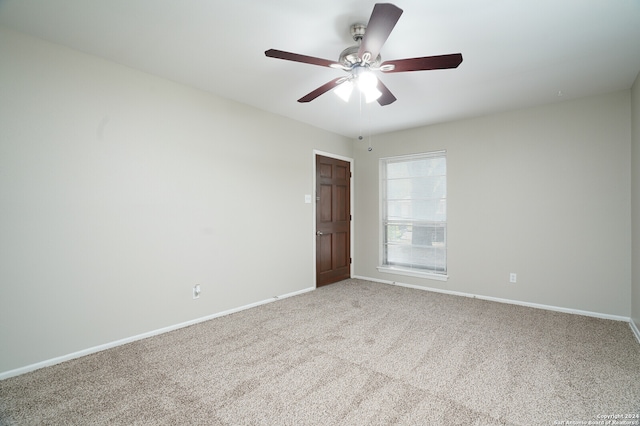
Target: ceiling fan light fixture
[(344, 90), (366, 80), (371, 95), (368, 85)]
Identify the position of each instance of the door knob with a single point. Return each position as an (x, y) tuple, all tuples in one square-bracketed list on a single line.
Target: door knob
[(318, 233)]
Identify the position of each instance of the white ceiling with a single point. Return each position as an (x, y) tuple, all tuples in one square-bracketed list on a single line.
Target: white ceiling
[(517, 53)]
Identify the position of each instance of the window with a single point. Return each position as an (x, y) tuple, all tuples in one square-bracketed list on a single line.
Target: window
[(413, 193)]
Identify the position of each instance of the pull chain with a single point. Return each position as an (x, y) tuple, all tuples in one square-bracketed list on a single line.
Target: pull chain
[(369, 129), (360, 120)]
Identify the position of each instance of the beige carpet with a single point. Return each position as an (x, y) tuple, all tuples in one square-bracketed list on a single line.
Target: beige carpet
[(352, 353)]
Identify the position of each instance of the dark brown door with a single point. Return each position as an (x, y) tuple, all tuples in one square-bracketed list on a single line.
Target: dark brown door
[(333, 220)]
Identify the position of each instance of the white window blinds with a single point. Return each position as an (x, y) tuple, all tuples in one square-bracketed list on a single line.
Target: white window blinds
[(414, 212)]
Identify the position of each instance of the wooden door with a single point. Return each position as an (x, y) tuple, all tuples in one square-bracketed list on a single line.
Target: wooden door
[(333, 220)]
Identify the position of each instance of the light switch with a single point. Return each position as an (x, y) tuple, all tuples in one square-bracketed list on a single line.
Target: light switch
[(307, 198)]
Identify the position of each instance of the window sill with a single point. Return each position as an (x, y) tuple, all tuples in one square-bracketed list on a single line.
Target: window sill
[(399, 271)]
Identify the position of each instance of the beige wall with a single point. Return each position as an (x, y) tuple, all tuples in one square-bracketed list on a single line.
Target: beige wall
[(542, 192), (120, 191), (635, 199)]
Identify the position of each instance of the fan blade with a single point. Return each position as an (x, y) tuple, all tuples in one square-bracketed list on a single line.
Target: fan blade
[(288, 56), (383, 19), (322, 89), (387, 97), (424, 64)]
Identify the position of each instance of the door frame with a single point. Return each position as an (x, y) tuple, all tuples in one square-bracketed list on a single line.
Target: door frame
[(313, 198)]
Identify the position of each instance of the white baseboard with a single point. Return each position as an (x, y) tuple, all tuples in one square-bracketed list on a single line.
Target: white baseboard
[(635, 329), (58, 360), (22, 370), (508, 301)]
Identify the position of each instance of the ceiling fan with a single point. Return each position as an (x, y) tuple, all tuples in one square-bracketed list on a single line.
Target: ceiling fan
[(360, 60)]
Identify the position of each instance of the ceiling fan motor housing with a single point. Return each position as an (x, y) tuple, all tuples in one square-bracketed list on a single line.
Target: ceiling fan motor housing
[(349, 58)]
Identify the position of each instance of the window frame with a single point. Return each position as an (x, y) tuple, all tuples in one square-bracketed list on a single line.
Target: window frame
[(401, 270)]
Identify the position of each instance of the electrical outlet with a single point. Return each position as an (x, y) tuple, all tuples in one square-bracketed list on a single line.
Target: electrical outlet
[(196, 291), (512, 277)]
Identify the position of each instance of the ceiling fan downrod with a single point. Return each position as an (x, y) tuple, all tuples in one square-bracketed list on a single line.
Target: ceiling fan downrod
[(350, 57)]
